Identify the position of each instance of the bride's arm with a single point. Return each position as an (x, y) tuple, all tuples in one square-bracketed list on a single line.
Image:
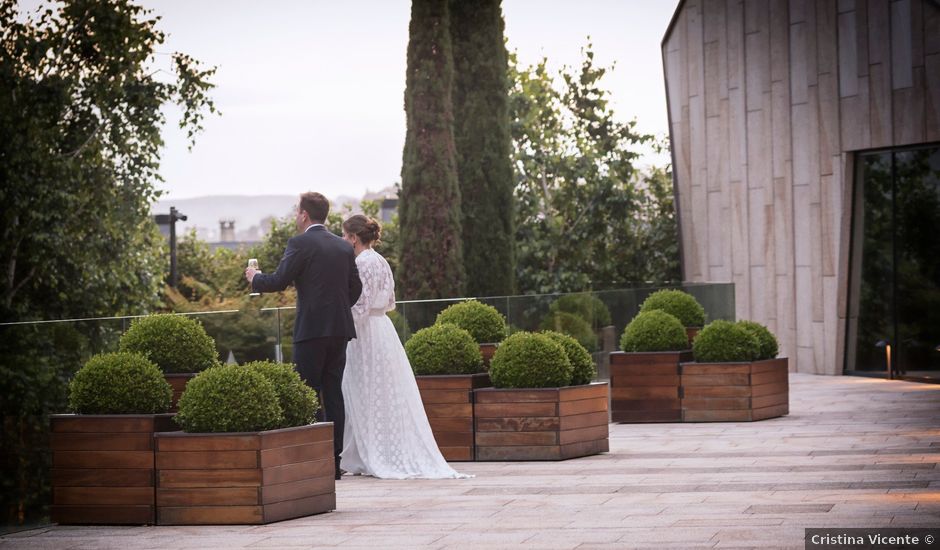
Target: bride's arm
[(367, 275), (391, 290)]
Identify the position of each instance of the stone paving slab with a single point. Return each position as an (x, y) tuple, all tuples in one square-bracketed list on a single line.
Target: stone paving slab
[(854, 452)]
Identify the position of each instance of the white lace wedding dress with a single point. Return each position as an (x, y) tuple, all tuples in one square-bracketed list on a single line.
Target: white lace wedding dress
[(387, 431)]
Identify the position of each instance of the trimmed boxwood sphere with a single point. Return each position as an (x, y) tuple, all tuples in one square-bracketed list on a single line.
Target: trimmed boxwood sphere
[(583, 369), (119, 383), (572, 325), (229, 398), (654, 330), (176, 343), (724, 342), (298, 400), (680, 304), (444, 349), (766, 340), (530, 360), (484, 322), (586, 306)]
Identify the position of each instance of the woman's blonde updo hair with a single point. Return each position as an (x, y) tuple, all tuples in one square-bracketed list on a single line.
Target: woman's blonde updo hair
[(367, 229)]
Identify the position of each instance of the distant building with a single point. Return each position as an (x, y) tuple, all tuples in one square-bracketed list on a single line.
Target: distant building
[(388, 208), (227, 238), (226, 231)]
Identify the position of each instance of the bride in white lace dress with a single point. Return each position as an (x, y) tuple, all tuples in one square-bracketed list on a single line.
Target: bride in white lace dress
[(387, 432)]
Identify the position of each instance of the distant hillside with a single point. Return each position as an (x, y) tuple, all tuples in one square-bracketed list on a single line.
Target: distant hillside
[(251, 214)]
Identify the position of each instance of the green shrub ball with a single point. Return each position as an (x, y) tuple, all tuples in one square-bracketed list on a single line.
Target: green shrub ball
[(724, 342), (586, 306), (298, 400), (654, 330), (229, 398), (681, 305), (484, 322), (530, 360), (119, 383), (444, 349), (572, 325), (583, 369), (174, 342), (766, 340)]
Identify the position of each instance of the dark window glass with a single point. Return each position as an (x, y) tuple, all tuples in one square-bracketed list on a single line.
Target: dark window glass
[(897, 234)]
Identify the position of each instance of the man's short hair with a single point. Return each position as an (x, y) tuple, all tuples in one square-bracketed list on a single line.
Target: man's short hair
[(316, 205)]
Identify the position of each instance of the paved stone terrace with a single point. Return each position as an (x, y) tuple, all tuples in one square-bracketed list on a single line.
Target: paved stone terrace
[(854, 452)]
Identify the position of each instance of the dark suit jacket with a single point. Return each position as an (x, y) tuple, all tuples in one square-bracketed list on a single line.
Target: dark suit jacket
[(322, 268)]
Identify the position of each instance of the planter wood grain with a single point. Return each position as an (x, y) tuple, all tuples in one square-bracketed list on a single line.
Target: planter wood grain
[(244, 478), (487, 351), (103, 467), (541, 424), (178, 382), (735, 392), (448, 402), (644, 386), (691, 333)]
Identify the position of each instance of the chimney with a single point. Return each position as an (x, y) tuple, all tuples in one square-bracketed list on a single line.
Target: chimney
[(226, 231)]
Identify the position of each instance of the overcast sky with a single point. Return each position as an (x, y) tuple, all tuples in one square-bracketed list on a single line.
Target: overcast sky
[(311, 91)]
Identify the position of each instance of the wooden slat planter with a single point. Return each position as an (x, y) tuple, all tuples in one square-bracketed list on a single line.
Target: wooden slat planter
[(178, 382), (103, 467), (244, 478), (734, 392), (691, 333), (487, 351), (541, 424), (448, 402), (644, 386)]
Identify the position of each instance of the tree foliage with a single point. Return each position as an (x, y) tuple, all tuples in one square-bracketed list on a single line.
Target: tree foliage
[(481, 135), (585, 216), (80, 122), (81, 98), (429, 210)]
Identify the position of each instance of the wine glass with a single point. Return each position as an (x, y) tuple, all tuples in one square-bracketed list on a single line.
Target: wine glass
[(253, 263)]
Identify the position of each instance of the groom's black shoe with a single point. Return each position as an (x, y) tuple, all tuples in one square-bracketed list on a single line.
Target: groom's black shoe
[(339, 473)]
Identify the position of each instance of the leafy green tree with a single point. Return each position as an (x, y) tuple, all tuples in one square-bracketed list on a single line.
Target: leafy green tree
[(585, 217), (431, 244), (80, 120), (481, 133), (649, 251), (81, 99)]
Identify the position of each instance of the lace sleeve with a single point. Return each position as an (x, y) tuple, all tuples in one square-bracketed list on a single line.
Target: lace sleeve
[(378, 286), (390, 302), (367, 276)]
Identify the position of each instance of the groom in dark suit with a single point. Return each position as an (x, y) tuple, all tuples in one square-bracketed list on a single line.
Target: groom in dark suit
[(322, 268)]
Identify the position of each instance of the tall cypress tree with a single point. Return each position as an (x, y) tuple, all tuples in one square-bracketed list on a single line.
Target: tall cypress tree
[(431, 264), (481, 131)]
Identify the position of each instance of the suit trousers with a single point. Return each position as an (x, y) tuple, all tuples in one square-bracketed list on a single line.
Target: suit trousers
[(320, 363)]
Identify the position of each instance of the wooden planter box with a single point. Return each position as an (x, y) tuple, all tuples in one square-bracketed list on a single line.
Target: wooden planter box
[(735, 392), (644, 386), (244, 478), (691, 333), (487, 351), (178, 382), (103, 469), (541, 424), (448, 402)]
